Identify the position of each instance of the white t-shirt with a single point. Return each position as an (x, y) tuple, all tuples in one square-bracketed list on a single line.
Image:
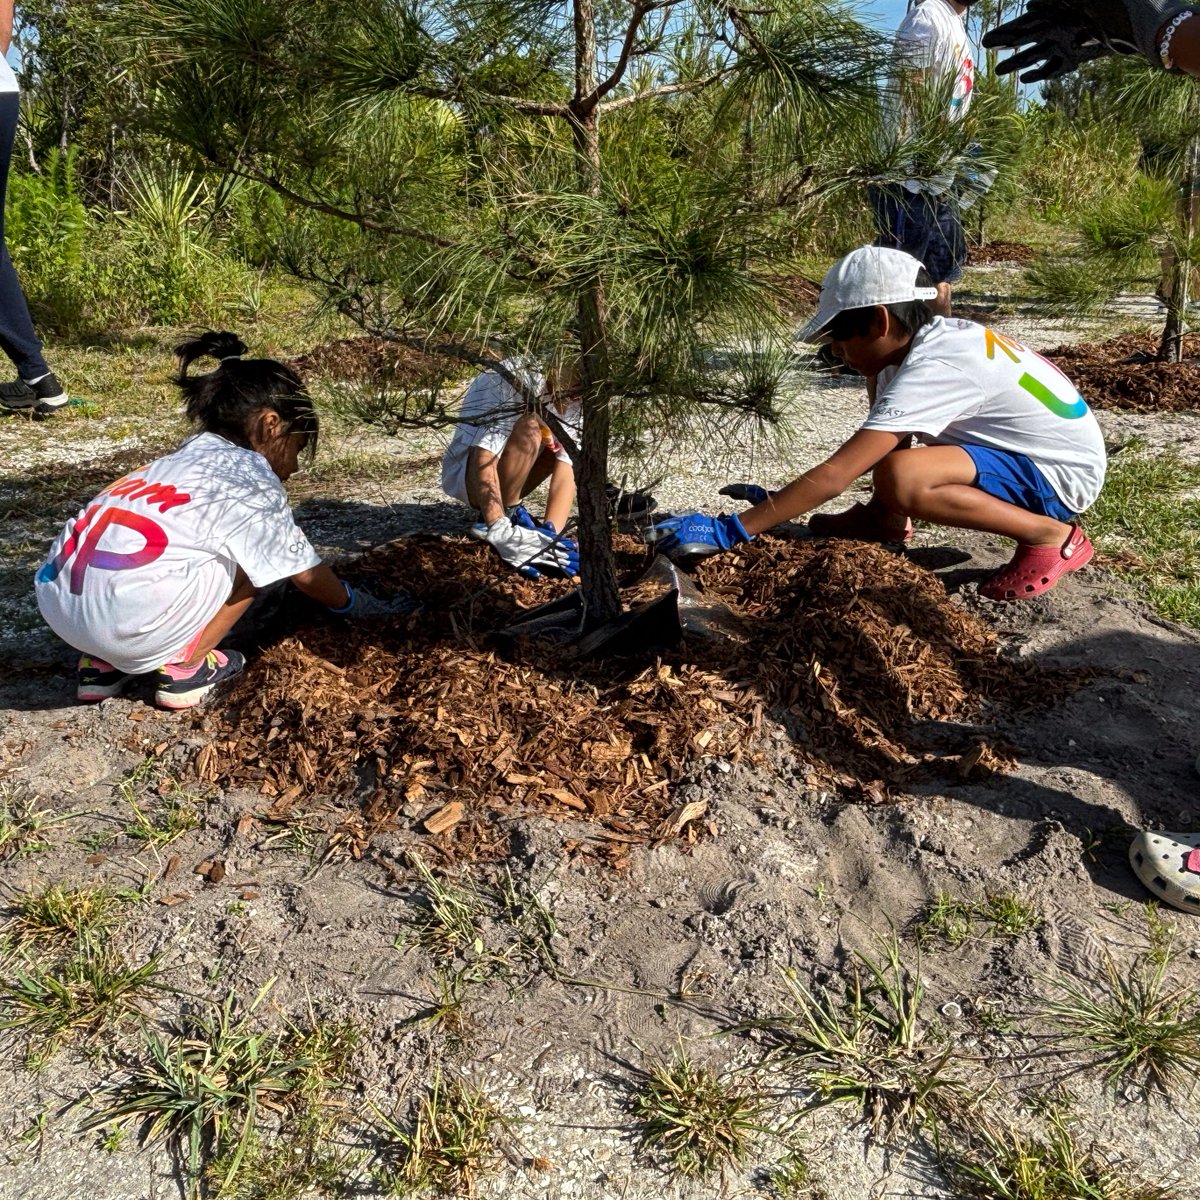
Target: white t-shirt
[(150, 561), (963, 384), (490, 409), (8, 80), (933, 37)]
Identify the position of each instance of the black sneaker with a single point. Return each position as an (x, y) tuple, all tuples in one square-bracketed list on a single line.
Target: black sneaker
[(97, 680), (630, 505), (37, 400), (185, 687)]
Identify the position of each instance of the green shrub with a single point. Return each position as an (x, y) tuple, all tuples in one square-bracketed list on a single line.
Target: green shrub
[(156, 261), (47, 228)]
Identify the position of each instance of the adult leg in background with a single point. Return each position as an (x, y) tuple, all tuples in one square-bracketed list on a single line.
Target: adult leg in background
[(18, 338)]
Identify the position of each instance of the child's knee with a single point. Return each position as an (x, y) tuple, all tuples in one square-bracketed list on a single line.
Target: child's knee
[(895, 482), (526, 433)]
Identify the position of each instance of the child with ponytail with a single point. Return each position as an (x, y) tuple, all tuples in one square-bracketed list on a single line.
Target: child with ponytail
[(159, 567)]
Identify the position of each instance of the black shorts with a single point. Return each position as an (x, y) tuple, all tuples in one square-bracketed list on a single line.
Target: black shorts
[(927, 227)]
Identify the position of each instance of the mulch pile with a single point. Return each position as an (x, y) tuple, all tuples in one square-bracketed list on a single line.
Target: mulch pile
[(1107, 382), (419, 725), (1000, 252), (797, 295), (378, 361)]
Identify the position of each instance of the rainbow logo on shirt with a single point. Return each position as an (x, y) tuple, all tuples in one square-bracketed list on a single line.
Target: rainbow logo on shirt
[(83, 542), (1068, 411)]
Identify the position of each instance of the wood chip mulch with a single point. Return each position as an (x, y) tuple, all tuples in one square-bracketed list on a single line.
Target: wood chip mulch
[(376, 360), (1000, 252), (419, 726), (1107, 382)]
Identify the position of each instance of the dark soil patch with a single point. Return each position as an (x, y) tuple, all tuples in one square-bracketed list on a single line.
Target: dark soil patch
[(418, 725), (1000, 252), (378, 361), (1141, 386)]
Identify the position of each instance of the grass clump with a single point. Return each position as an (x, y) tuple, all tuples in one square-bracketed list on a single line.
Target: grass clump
[(696, 1118), (953, 921), (1007, 1164), (201, 1091), (448, 1146), (300, 1157), (448, 1012), (85, 994), (58, 915), (24, 823), (1148, 515), (1140, 1028), (869, 1046), (162, 810), (447, 921)]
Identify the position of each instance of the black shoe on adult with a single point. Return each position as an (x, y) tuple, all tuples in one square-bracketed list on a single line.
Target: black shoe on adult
[(38, 400)]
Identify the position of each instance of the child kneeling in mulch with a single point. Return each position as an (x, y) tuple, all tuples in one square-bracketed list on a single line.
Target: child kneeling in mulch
[(157, 568), (1006, 444)]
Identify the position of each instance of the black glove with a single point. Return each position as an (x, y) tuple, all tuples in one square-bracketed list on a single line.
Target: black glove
[(1059, 36), (751, 493)]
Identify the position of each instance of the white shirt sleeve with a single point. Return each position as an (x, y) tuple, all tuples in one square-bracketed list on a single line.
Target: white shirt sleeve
[(269, 545), (491, 408), (916, 42)]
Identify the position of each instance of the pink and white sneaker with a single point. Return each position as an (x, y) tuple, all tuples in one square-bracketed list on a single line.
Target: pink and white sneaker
[(97, 680), (185, 687)]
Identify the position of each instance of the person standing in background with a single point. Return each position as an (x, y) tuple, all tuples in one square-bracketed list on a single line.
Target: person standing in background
[(35, 392), (933, 78)]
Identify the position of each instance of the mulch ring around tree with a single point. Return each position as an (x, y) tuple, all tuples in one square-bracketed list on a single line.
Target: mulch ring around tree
[(421, 727), (1000, 252), (1105, 381), (376, 360)]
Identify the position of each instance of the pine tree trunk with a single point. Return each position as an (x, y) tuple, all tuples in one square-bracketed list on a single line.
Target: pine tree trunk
[(601, 596), (1179, 266)]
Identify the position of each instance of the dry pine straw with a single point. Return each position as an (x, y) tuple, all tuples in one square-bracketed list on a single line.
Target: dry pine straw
[(418, 724)]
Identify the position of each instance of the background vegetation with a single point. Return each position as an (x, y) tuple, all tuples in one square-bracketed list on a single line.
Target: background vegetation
[(155, 188)]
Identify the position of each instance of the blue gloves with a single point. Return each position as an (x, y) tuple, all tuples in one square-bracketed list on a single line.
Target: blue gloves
[(696, 535), (751, 493), (360, 603)]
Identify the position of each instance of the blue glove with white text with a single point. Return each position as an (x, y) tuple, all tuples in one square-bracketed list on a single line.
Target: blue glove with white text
[(751, 493), (697, 535)]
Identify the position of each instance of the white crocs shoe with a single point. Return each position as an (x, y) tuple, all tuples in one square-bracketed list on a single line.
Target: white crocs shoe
[(1169, 865)]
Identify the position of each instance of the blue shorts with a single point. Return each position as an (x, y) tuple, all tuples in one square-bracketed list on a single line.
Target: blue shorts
[(1015, 478), (927, 227)]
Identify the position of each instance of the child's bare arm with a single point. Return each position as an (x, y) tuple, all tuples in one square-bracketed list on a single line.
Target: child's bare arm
[(832, 477), (323, 586)]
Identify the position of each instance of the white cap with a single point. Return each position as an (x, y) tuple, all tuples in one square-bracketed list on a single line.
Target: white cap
[(865, 277)]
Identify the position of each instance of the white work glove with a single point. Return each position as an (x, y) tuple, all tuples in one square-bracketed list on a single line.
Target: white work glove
[(531, 551)]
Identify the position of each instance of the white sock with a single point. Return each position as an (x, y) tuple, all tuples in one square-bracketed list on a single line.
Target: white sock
[(37, 379)]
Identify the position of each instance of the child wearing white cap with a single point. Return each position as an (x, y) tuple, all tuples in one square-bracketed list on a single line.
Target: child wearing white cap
[(1005, 443)]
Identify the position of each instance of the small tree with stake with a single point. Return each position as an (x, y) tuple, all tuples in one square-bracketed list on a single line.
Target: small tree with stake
[(486, 178), (1149, 231)]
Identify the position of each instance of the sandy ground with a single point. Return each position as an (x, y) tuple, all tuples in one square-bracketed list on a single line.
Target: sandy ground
[(690, 941)]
